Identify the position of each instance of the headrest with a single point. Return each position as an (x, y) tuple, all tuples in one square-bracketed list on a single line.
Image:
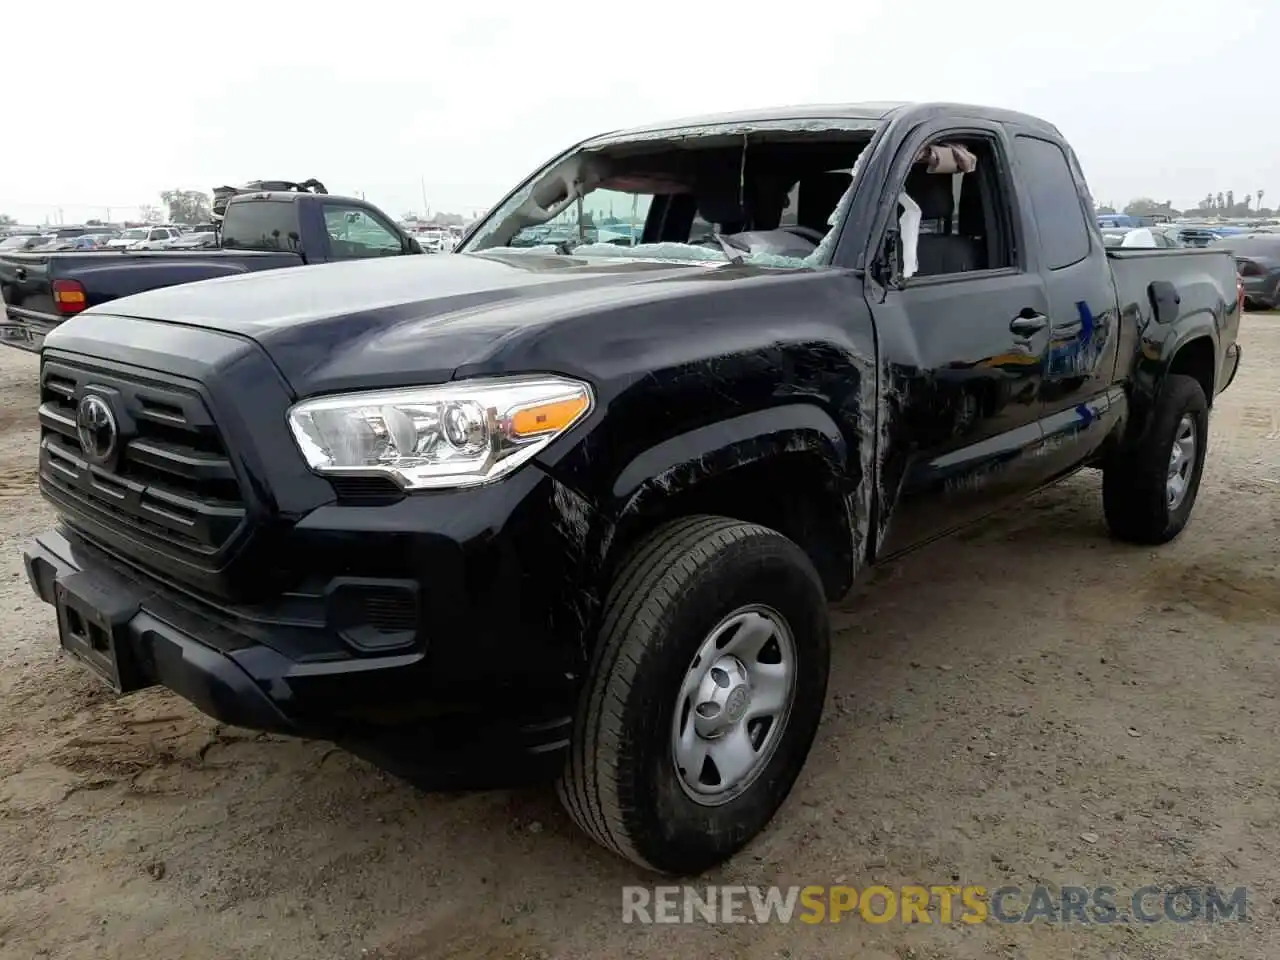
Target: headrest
[(947, 158), (819, 194), (933, 192), (721, 205)]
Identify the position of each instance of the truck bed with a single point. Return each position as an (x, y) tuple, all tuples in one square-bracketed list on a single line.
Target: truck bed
[(1202, 280), (26, 280)]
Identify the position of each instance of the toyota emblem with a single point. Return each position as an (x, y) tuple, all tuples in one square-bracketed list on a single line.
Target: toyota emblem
[(96, 428)]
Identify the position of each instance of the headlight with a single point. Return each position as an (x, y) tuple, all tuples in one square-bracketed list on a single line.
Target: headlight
[(452, 435)]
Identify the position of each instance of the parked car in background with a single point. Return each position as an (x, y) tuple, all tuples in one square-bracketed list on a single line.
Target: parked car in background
[(434, 240), (20, 241), (1167, 235), (619, 234), (141, 238), (87, 241), (157, 239), (83, 242), (193, 241), (259, 231), (1257, 259), (1194, 236), (1139, 237)]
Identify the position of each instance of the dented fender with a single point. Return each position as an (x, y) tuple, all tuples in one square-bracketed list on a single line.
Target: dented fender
[(679, 462)]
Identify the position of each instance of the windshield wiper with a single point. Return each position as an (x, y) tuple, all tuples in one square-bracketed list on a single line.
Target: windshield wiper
[(731, 252)]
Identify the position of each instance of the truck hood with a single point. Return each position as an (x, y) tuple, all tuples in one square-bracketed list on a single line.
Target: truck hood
[(399, 320)]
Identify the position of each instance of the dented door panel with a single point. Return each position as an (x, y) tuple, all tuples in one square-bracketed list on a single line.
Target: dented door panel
[(968, 423)]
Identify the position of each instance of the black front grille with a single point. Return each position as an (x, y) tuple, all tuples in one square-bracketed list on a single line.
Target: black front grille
[(170, 483)]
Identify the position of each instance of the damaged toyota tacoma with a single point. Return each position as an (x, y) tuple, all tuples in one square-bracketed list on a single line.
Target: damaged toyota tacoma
[(576, 497)]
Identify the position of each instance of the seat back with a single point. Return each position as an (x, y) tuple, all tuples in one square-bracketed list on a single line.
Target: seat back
[(941, 249)]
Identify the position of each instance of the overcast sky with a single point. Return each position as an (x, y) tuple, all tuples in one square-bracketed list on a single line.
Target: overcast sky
[(106, 104)]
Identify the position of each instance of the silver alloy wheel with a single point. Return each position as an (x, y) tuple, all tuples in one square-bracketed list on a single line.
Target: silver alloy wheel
[(734, 704), (1182, 459)]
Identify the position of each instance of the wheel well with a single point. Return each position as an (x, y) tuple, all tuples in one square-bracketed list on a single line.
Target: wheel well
[(794, 494), (1196, 359)]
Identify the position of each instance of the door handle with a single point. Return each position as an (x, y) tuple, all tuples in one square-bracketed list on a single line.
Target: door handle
[(1028, 322)]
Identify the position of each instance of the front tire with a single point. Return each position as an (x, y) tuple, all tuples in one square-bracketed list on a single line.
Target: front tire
[(1148, 492), (704, 694)]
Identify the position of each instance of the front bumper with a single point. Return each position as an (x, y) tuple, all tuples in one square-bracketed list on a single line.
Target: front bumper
[(158, 642), (381, 706)]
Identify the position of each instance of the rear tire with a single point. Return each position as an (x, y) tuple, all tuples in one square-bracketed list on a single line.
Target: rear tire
[(691, 600), (1142, 502)]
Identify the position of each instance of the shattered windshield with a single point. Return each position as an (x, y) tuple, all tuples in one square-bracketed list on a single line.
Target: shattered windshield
[(606, 216), (769, 198)]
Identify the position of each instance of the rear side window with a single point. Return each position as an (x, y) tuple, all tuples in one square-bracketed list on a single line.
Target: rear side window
[(260, 225), (1064, 232)]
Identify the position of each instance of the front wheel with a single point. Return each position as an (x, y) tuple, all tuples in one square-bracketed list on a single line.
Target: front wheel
[(1148, 492), (704, 694)]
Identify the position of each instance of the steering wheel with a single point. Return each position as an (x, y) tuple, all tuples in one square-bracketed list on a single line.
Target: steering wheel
[(807, 232)]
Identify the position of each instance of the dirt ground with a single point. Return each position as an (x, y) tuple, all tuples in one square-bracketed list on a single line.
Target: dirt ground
[(993, 698)]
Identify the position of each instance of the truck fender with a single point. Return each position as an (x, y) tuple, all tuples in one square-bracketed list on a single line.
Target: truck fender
[(681, 461), (1199, 337), (685, 473), (1185, 345)]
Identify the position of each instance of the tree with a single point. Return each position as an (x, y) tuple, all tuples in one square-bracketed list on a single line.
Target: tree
[(1231, 200), (1104, 208), (149, 214), (1222, 202), (1144, 207), (187, 206), (6, 220)]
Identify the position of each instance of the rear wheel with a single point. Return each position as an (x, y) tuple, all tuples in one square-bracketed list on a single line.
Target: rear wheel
[(704, 695), (1148, 492)]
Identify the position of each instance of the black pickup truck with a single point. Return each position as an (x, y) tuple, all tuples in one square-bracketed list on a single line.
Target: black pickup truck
[(260, 231), (584, 503)]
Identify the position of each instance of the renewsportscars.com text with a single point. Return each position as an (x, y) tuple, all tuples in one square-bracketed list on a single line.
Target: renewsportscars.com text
[(941, 903)]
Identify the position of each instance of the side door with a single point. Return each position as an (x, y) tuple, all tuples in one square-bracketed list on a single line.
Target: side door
[(1084, 325), (356, 232), (962, 345)]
